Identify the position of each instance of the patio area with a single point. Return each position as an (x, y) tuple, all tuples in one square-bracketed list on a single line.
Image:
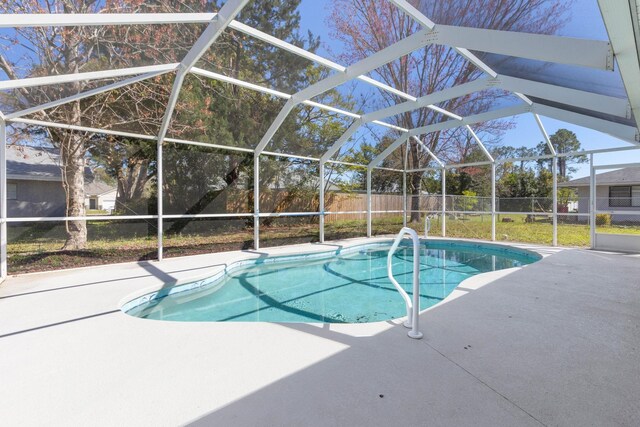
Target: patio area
[(554, 343)]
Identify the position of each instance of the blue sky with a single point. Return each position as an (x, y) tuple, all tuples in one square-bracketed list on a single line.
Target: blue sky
[(585, 22)]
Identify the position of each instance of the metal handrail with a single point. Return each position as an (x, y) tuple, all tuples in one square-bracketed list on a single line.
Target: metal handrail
[(413, 307)]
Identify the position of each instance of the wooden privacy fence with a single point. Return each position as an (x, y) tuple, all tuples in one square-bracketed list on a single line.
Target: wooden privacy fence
[(357, 202), (285, 201)]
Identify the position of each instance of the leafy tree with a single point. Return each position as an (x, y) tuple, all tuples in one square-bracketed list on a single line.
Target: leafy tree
[(130, 165), (469, 201), (381, 180), (563, 141)]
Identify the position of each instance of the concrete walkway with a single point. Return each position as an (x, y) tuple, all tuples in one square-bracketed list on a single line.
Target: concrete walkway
[(555, 343)]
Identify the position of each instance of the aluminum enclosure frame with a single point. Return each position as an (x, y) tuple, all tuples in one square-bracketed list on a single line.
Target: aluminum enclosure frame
[(586, 53)]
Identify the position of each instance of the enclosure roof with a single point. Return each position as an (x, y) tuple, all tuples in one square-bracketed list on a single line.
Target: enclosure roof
[(590, 83)]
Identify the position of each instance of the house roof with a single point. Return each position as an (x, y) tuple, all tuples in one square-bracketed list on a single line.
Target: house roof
[(39, 164), (624, 176), (43, 164), (97, 188)]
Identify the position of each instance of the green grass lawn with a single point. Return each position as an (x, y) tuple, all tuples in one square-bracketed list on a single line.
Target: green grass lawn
[(37, 247)]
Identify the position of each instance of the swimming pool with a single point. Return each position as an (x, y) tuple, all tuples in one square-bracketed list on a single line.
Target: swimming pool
[(349, 285)]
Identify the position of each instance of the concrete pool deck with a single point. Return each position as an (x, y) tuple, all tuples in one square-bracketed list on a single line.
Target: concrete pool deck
[(554, 343)]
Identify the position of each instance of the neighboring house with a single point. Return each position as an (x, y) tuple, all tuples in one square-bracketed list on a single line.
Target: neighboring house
[(618, 190), (99, 195), (34, 184)]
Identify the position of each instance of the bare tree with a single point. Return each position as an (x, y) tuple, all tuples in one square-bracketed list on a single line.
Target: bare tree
[(41, 51), (367, 26)]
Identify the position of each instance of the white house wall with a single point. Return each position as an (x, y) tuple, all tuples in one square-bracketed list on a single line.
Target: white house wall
[(602, 204)]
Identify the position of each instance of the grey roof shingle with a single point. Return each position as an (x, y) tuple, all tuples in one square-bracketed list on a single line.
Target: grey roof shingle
[(43, 164), (625, 176), (33, 163)]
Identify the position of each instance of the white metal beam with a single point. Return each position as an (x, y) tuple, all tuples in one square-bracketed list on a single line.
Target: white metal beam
[(545, 135), (76, 77), (83, 95), (274, 41), (390, 149), (426, 23), (378, 59), (275, 125), (427, 100), (540, 47), (429, 152), (482, 147), (3, 199), (432, 98), (476, 118), (623, 26), (411, 11), (578, 98), (620, 131), (282, 95), (82, 128), (450, 124), (217, 26), (466, 53), (21, 20), (163, 18), (241, 83), (313, 57), (341, 141), (97, 19)]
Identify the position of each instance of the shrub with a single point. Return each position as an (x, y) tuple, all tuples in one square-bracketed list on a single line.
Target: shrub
[(603, 219)]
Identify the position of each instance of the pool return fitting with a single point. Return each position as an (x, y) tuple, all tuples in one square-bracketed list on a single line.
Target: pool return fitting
[(413, 307)]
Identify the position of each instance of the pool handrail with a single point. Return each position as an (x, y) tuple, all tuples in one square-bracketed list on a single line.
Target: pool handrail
[(413, 307)]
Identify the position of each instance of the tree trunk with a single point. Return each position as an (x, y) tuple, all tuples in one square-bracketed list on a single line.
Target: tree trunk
[(415, 196), (72, 153), (131, 183), (415, 179)]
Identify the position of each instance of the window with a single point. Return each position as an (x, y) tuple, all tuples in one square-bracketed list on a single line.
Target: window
[(624, 196), (635, 195), (12, 191)]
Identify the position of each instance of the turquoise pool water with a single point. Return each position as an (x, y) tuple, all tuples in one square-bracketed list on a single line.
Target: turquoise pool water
[(346, 286)]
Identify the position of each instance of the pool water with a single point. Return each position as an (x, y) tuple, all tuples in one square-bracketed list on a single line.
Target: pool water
[(347, 286)]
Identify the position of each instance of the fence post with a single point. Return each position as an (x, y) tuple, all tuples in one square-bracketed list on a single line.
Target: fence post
[(321, 207), (404, 198), (493, 201), (444, 202), (404, 185), (368, 202), (159, 195), (256, 201), (3, 199), (554, 171), (592, 203)]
